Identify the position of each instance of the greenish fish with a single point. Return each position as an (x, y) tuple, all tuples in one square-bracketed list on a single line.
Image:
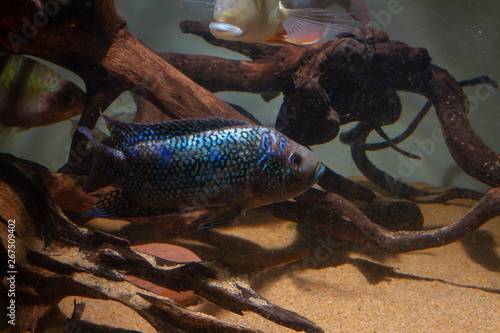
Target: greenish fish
[(224, 165), (32, 94)]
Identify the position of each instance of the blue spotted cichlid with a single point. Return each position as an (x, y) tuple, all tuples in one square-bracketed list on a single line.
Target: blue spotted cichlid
[(32, 94), (224, 165)]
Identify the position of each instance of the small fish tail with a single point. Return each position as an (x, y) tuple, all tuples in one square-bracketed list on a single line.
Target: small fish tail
[(104, 162)]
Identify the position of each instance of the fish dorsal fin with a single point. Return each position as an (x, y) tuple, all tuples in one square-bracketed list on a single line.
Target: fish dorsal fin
[(308, 25), (127, 134)]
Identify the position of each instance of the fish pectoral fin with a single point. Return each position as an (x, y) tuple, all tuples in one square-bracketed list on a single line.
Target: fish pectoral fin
[(217, 216), (224, 30), (308, 25), (115, 205)]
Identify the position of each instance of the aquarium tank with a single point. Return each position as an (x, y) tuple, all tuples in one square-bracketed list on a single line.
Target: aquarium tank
[(249, 166)]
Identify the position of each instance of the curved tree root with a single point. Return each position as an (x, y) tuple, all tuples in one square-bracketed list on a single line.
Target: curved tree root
[(337, 216)]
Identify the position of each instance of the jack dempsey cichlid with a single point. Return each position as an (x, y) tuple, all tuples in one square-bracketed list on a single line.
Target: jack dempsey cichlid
[(224, 165)]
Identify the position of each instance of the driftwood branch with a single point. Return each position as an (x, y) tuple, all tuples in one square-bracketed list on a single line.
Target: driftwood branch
[(321, 82), (92, 264), (93, 41), (398, 188), (335, 215)]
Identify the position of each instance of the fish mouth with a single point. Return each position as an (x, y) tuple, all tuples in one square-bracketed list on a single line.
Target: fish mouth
[(318, 172), (225, 29)]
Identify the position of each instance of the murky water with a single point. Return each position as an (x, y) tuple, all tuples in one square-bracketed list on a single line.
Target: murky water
[(461, 36)]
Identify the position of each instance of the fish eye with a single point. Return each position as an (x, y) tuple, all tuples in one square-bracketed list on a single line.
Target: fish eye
[(295, 160)]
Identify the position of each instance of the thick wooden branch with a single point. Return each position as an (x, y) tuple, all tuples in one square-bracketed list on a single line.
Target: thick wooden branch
[(337, 216), (91, 40), (95, 43), (329, 77), (396, 187), (465, 146)]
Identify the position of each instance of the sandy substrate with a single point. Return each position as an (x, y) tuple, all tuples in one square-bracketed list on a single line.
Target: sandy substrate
[(343, 287)]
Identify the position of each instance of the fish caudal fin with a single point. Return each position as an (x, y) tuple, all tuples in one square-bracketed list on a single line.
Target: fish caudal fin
[(105, 162), (115, 205), (359, 11), (308, 25)]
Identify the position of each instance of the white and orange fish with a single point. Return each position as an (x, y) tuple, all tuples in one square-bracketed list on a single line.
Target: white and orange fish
[(269, 21)]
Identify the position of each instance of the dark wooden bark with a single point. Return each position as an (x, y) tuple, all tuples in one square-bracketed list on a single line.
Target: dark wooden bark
[(337, 216), (323, 85)]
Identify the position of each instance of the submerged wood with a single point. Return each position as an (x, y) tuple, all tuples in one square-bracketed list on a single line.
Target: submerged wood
[(335, 215), (398, 188), (90, 39), (320, 83), (91, 263)]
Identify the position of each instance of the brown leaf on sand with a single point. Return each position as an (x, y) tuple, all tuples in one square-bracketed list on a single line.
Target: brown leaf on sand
[(168, 252)]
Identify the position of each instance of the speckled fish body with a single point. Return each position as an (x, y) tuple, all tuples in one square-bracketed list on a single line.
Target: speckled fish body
[(31, 94), (200, 163)]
